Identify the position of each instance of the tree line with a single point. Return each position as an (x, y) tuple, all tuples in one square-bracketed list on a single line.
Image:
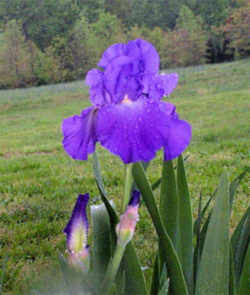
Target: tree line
[(52, 41)]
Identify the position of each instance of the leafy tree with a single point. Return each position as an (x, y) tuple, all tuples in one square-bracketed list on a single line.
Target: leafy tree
[(41, 20), (137, 15), (239, 3), (91, 8), (17, 57), (81, 44), (48, 68), (155, 36), (186, 45), (213, 12), (162, 13), (237, 30), (157, 13), (106, 31), (121, 8), (187, 20)]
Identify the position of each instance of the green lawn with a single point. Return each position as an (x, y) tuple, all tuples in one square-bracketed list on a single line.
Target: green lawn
[(39, 182)]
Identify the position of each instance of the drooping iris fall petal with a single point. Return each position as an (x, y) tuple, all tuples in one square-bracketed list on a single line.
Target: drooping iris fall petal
[(179, 137), (134, 129), (79, 134)]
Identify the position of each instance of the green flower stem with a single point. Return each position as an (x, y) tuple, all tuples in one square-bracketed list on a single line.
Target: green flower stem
[(113, 268), (127, 187)]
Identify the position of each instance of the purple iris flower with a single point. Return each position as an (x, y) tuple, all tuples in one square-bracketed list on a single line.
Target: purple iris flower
[(128, 116), (77, 233)]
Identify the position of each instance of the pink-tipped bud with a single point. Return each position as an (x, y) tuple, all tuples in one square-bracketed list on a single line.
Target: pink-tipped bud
[(126, 228)]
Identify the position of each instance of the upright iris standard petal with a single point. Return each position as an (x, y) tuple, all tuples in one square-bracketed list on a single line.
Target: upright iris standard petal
[(153, 87), (77, 228), (146, 55), (170, 82), (119, 81), (133, 130), (112, 52), (79, 134), (142, 52), (94, 80), (126, 227)]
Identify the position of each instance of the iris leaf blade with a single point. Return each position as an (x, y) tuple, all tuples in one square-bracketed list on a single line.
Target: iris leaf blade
[(155, 283), (101, 239), (135, 281), (164, 282), (245, 276), (169, 200), (232, 280), (170, 257), (235, 183), (202, 214), (185, 224), (196, 258), (214, 278), (239, 242)]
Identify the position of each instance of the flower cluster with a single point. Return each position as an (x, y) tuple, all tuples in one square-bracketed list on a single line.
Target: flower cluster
[(128, 116)]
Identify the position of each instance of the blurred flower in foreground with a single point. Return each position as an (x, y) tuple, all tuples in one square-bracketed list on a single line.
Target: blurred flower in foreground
[(128, 117), (126, 228), (77, 234)]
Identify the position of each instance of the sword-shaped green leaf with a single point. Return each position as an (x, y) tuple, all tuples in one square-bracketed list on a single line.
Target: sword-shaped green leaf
[(239, 242), (232, 280), (213, 273), (101, 239), (235, 183), (155, 282), (185, 224), (245, 276), (169, 201), (135, 282), (170, 257), (164, 282)]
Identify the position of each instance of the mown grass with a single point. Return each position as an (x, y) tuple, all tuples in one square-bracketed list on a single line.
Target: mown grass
[(39, 182)]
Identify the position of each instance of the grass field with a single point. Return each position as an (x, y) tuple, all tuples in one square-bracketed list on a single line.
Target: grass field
[(39, 182)]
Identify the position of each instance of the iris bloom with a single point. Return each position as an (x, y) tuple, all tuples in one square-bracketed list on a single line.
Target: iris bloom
[(77, 234), (126, 228), (127, 115)]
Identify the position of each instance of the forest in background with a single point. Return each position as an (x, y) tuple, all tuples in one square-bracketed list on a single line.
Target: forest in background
[(51, 41)]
